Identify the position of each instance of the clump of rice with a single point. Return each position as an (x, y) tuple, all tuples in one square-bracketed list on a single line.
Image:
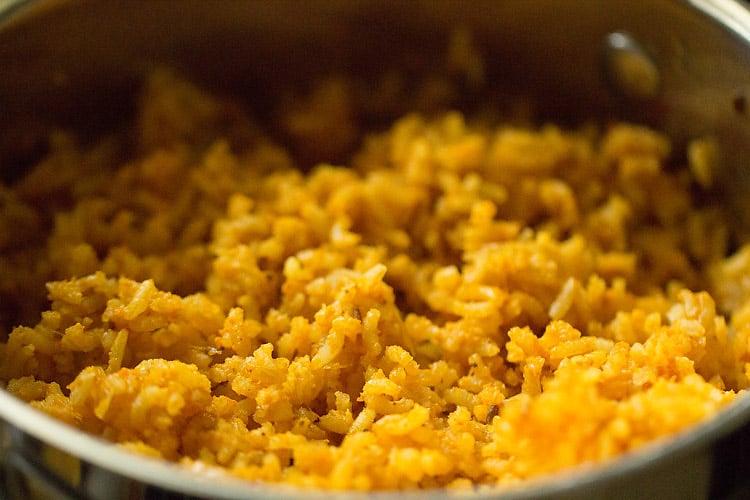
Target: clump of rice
[(465, 302)]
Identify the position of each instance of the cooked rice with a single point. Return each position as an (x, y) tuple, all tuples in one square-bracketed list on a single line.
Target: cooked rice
[(466, 302)]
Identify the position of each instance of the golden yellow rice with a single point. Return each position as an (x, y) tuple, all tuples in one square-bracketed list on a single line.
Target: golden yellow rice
[(465, 302)]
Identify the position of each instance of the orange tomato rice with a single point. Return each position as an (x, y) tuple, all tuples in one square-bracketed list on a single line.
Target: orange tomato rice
[(465, 302)]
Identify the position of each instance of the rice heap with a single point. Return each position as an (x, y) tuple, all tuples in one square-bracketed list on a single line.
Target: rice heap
[(466, 302)]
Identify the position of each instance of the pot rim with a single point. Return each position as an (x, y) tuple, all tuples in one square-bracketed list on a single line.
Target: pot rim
[(210, 482)]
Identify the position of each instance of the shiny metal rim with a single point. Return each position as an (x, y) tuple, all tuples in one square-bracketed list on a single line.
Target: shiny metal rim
[(733, 16)]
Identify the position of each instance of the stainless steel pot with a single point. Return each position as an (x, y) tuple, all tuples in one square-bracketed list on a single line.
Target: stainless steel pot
[(77, 63)]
